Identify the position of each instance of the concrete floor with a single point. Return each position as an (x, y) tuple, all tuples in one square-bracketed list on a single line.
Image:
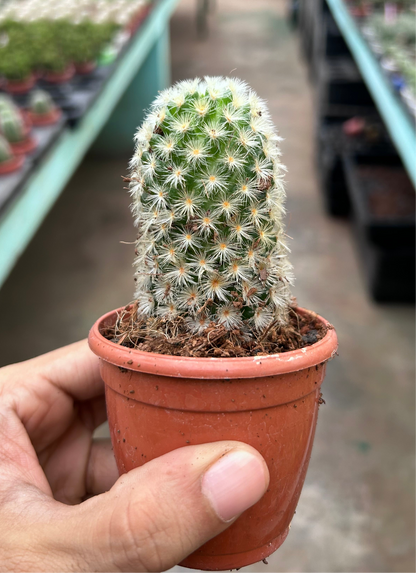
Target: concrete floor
[(356, 512)]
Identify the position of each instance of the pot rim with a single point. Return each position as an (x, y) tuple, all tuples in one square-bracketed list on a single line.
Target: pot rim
[(212, 368)]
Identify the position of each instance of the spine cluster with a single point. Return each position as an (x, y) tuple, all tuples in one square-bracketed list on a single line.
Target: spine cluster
[(208, 201)]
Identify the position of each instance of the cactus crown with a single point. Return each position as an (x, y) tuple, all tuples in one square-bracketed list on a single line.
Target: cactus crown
[(5, 150), (12, 126), (208, 201), (40, 102)]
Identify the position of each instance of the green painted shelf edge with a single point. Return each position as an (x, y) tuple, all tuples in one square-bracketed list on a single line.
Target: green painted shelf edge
[(24, 216), (398, 122)]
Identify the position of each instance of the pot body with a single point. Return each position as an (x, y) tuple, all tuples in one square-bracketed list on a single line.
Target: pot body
[(25, 147), (19, 87), (40, 120), (85, 68), (12, 165), (152, 413), (60, 77)]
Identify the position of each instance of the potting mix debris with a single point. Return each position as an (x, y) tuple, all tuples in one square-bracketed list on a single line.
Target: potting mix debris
[(163, 336)]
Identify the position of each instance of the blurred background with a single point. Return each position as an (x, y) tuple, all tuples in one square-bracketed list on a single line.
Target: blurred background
[(340, 80)]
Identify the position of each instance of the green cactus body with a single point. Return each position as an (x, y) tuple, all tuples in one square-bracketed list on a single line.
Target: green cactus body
[(41, 102), (5, 150), (208, 200), (6, 104), (12, 127)]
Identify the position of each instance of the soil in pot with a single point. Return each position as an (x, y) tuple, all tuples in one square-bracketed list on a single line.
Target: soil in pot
[(149, 335), (389, 191), (157, 403)]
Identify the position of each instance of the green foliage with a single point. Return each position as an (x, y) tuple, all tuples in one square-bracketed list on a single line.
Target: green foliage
[(5, 150), (40, 102), (398, 39), (15, 64), (12, 127), (50, 45), (208, 201), (401, 32), (85, 41)]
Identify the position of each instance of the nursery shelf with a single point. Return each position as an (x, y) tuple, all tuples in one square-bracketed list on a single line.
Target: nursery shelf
[(397, 120), (25, 213)]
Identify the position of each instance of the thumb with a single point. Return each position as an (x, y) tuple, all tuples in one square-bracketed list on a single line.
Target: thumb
[(156, 515)]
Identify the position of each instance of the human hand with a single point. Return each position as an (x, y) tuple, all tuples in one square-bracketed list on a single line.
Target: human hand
[(146, 520)]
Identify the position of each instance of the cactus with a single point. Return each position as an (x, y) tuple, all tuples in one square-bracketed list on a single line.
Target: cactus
[(208, 201), (12, 126), (40, 102), (5, 151), (6, 104)]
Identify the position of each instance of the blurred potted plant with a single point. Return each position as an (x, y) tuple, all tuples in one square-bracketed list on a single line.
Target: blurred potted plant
[(214, 347), (57, 68), (15, 67), (17, 133), (42, 109), (9, 162), (55, 59)]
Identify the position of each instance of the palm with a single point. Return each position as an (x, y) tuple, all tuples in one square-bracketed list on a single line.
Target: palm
[(59, 428)]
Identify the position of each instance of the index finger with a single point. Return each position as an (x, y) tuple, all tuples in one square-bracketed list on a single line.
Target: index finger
[(73, 369)]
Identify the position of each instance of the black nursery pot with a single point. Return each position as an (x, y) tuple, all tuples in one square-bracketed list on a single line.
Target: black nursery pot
[(332, 145), (383, 209)]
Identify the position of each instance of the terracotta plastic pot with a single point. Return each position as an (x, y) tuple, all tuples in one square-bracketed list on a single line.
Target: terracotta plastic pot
[(40, 120), (85, 68), (21, 86), (25, 147), (60, 77), (157, 403), (11, 165)]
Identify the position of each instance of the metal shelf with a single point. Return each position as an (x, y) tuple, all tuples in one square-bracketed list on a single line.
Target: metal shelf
[(397, 120), (24, 215)]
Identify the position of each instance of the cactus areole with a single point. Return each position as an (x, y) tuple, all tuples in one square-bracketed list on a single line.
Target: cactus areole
[(208, 196)]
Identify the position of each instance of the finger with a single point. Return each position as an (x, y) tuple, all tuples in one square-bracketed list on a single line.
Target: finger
[(42, 391), (156, 515), (73, 369), (102, 470)]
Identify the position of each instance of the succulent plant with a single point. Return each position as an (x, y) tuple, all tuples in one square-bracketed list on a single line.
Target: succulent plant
[(15, 64), (40, 102), (6, 104), (208, 201), (5, 150), (12, 127)]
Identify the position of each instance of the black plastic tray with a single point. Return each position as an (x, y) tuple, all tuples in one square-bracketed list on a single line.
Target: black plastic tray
[(331, 145), (11, 184), (388, 231)]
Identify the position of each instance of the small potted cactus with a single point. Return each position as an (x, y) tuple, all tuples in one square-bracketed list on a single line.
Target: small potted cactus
[(17, 133), (15, 67), (214, 347), (42, 109), (57, 69), (8, 162)]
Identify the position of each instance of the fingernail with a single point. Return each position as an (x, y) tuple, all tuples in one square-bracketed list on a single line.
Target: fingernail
[(234, 483)]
